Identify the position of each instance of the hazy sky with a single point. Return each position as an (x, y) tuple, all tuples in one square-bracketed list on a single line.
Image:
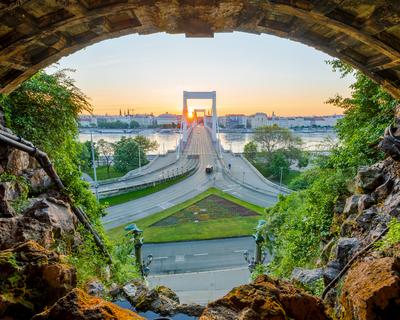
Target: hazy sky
[(250, 74)]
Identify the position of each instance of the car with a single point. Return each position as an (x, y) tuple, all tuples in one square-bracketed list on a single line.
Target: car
[(209, 168)]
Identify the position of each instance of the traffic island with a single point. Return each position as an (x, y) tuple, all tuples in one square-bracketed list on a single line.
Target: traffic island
[(210, 215)]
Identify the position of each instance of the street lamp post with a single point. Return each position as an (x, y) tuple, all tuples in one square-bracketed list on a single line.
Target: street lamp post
[(280, 180), (259, 255), (94, 166), (135, 235)]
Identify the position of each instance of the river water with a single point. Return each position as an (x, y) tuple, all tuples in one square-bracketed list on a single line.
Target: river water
[(229, 141)]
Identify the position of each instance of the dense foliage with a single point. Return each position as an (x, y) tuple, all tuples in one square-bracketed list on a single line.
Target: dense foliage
[(128, 155), (274, 150), (301, 223), (86, 154), (44, 110), (368, 111)]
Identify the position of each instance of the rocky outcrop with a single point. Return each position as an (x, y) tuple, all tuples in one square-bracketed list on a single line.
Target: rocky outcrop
[(17, 162), (266, 298), (371, 290), (31, 279), (161, 300), (77, 305), (306, 276), (369, 178), (95, 288), (44, 221), (20, 229), (54, 213)]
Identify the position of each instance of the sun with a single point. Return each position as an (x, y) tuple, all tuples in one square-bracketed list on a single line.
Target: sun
[(190, 114)]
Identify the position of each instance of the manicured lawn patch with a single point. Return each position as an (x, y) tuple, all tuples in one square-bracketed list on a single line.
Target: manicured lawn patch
[(210, 208), (136, 194), (101, 172), (178, 223)]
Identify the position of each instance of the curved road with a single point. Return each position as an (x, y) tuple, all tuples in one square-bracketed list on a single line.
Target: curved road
[(199, 144)]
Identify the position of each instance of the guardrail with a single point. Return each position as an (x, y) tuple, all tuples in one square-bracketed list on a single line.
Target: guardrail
[(169, 176)]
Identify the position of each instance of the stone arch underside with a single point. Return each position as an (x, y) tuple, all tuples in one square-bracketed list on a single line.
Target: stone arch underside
[(364, 33)]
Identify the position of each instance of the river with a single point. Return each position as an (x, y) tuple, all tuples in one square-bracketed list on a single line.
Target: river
[(230, 141)]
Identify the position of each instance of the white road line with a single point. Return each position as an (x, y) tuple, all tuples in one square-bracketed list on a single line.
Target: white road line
[(160, 258), (166, 205), (240, 251), (229, 189), (179, 258), (201, 254)]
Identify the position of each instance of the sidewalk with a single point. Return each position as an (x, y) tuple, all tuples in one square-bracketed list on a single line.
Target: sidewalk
[(241, 170), (202, 287)]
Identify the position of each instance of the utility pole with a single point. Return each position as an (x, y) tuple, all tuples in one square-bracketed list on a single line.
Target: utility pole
[(140, 162), (280, 180), (94, 166)]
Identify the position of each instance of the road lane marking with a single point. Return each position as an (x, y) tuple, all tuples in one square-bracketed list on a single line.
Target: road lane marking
[(226, 190), (240, 251), (200, 254), (179, 258), (160, 258), (166, 205)]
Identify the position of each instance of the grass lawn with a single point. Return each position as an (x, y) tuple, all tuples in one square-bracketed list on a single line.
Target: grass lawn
[(132, 195), (101, 172), (220, 219)]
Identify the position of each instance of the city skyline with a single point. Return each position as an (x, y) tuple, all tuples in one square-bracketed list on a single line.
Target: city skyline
[(250, 74), (269, 114)]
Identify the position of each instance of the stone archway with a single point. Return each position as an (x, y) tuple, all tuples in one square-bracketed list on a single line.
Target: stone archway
[(364, 33)]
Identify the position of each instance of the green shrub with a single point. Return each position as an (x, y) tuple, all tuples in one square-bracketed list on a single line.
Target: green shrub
[(392, 237)]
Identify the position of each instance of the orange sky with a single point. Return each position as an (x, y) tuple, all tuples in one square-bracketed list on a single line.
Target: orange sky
[(250, 74)]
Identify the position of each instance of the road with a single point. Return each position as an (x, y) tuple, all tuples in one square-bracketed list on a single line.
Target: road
[(163, 168), (200, 271), (195, 256), (199, 144)]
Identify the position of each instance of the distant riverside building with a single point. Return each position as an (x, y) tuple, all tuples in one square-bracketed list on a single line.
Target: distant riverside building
[(261, 119), (167, 119), (234, 121), (257, 120), (87, 121), (144, 120)]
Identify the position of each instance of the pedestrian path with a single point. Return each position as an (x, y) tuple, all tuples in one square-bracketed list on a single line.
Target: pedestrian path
[(245, 173), (202, 287)]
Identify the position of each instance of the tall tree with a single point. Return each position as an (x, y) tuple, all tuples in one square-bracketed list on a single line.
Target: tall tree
[(250, 151), (128, 155), (145, 143), (272, 138), (106, 150)]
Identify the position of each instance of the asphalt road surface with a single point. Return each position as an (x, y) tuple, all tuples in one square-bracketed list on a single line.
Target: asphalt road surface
[(199, 144), (195, 256)]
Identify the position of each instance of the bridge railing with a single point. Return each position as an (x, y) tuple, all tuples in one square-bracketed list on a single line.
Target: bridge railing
[(169, 175)]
